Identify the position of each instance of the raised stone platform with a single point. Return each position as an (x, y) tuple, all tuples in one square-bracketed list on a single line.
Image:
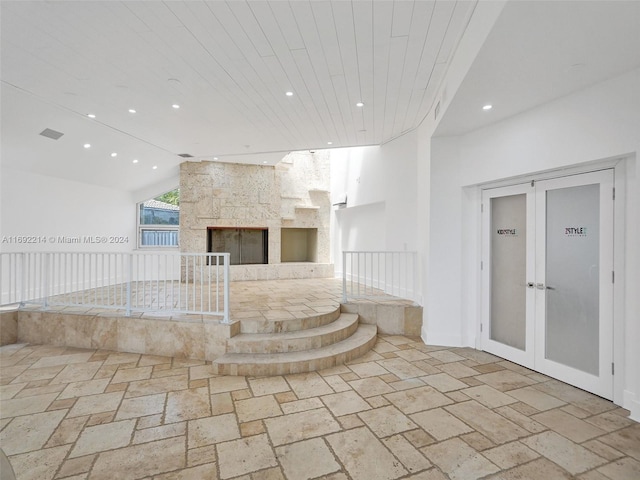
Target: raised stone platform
[(295, 325)]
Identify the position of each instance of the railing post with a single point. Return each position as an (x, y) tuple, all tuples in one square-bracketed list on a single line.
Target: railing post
[(227, 259), (45, 301), (127, 310), (344, 277)]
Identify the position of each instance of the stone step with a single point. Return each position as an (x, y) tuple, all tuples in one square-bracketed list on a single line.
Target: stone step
[(295, 341), (262, 325), (262, 364)]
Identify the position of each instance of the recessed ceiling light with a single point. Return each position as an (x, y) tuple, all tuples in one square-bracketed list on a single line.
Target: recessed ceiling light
[(87, 145), (91, 115), (289, 94), (132, 110), (487, 107), (155, 167), (329, 143), (135, 160), (359, 104), (264, 161), (215, 158), (114, 154), (176, 106)]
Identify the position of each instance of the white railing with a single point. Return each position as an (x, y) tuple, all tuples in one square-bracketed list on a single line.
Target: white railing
[(367, 274), (134, 282)]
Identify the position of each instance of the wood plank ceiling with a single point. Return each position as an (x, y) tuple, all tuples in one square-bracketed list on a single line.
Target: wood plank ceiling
[(228, 66)]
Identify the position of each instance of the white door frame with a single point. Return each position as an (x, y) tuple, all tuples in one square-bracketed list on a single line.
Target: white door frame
[(619, 164)]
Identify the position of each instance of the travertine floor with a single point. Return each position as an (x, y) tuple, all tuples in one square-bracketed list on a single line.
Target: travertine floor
[(406, 410)]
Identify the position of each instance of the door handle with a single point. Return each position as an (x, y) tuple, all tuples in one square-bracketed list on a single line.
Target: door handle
[(530, 285)]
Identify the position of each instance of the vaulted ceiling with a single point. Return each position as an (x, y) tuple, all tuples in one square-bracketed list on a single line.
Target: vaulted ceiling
[(229, 65)]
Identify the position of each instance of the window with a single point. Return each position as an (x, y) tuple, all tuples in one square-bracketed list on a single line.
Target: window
[(159, 220)]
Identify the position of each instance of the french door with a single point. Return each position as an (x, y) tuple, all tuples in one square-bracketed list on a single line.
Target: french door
[(547, 286)]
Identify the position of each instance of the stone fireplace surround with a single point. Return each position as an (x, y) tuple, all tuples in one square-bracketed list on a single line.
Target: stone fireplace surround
[(294, 194)]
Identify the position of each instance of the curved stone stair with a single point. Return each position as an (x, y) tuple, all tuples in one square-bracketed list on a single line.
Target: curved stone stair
[(297, 351)]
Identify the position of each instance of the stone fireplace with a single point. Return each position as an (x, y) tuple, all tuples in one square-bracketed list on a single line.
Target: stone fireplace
[(274, 220)]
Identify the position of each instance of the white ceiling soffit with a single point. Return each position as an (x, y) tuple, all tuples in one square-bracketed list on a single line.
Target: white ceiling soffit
[(227, 65), (539, 51)]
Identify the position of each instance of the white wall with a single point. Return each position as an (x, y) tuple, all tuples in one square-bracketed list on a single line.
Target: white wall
[(48, 208), (381, 188), (599, 123)]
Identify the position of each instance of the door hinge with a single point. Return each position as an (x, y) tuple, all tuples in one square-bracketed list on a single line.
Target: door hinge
[(482, 208), (533, 183), (480, 328), (613, 276), (613, 368), (481, 265), (614, 193)]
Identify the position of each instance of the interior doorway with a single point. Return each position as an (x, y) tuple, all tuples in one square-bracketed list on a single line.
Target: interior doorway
[(547, 277)]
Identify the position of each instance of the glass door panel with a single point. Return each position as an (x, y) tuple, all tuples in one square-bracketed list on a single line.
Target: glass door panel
[(572, 277), (508, 270)]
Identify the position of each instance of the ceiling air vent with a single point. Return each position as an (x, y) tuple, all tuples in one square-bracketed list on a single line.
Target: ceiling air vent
[(185, 155), (47, 132)]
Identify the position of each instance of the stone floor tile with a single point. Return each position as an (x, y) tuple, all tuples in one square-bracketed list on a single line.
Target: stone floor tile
[(477, 441), (623, 469), (419, 438), (40, 464), (446, 356), (401, 368), (159, 457), (418, 399), (345, 403), (160, 432), (626, 440), (505, 380), (510, 455), (301, 405), (29, 432), (227, 384), (537, 399), (337, 383), (568, 426), (410, 355), (520, 419), (386, 421), (141, 406), (369, 387), (246, 455), (268, 385), (100, 418), (368, 369), (609, 421), (157, 385), (458, 460), (57, 360), (257, 408), (80, 389), (300, 426), (67, 432), (570, 456), (443, 382), (104, 402), (77, 372), (307, 385), (307, 459), (431, 474), (410, 457), (132, 374), (602, 450), (210, 430), (187, 405), (207, 471), (26, 406), (201, 455), (440, 424), (541, 468), (364, 456), (252, 428), (488, 396), (76, 466), (350, 421), (490, 424), (103, 437), (457, 370)]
